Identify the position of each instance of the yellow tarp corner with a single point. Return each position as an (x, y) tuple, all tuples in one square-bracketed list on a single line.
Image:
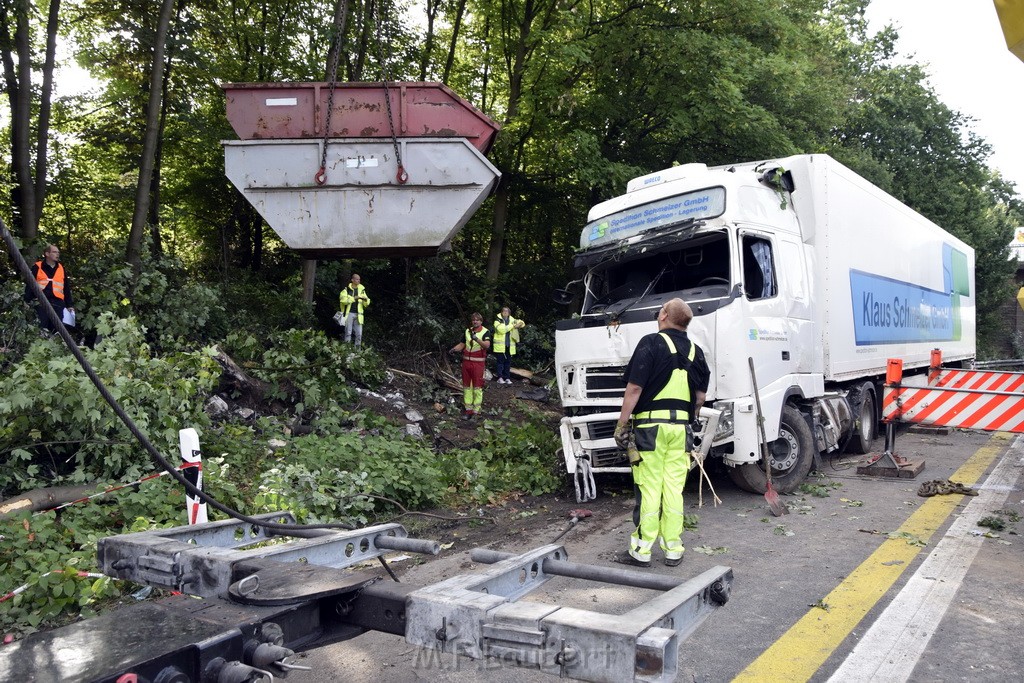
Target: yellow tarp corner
[(1011, 16)]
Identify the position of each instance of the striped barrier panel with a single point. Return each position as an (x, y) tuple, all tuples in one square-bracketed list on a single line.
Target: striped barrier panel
[(983, 380), (968, 399)]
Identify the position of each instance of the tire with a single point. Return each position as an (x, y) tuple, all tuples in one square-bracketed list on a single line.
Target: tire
[(792, 455), (865, 424)]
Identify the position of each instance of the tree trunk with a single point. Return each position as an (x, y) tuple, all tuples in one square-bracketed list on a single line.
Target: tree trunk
[(19, 93), (238, 379), (149, 146), (308, 279), (257, 241), (45, 499), (456, 25), (517, 72), (43, 127), (356, 73), (501, 202), (428, 41), (340, 17), (156, 246)]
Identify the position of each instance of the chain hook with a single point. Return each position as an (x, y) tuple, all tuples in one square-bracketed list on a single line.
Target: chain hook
[(402, 176), (332, 74)]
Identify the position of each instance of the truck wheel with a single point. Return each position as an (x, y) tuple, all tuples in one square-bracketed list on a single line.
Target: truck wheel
[(792, 456), (865, 427)]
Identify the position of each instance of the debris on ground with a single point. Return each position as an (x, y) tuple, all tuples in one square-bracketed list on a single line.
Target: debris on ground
[(993, 522), (940, 487)]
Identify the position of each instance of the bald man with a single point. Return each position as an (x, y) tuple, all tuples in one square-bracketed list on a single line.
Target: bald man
[(666, 383)]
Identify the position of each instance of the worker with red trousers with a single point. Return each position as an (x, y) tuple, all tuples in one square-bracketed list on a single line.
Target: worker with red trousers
[(476, 341)]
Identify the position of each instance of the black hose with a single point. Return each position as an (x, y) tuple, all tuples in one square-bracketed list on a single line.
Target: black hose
[(26, 274)]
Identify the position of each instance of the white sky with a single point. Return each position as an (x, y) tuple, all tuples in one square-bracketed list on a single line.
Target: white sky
[(961, 45)]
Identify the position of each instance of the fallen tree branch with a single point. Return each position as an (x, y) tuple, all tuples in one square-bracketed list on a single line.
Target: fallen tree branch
[(242, 380), (406, 374), (45, 499)]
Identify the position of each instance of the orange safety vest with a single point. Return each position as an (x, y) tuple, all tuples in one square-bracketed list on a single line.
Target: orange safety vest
[(57, 280)]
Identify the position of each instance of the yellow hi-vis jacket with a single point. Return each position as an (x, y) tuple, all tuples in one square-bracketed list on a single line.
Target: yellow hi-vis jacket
[(350, 296), (506, 331)]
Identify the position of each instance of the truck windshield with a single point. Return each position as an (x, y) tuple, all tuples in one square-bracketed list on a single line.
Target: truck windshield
[(696, 269)]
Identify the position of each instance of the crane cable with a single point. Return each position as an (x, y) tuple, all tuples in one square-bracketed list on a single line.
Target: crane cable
[(332, 82), (402, 176)]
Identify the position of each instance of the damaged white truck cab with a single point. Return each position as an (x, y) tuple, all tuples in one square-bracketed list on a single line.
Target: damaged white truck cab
[(798, 263)]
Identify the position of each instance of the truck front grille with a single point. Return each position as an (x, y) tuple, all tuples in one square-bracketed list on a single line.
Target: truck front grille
[(605, 382), (608, 457)]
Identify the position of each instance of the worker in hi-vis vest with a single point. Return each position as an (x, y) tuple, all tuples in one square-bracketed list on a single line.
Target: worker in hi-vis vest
[(506, 336), (53, 280), (476, 341), (354, 301), (666, 383)]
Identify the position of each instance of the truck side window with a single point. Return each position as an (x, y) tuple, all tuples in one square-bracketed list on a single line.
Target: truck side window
[(758, 268)]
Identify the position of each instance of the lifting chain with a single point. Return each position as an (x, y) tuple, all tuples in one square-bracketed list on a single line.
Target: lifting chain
[(332, 75), (402, 177)]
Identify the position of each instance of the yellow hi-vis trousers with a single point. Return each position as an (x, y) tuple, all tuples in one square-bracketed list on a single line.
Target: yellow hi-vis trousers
[(660, 477), (473, 398)]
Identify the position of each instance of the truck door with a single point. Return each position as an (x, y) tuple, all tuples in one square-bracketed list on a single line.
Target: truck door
[(767, 331)]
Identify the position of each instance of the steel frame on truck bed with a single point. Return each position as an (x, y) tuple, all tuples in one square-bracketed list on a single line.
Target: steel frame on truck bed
[(255, 598)]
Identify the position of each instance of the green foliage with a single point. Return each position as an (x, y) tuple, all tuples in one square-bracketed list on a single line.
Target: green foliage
[(18, 323), (317, 495), (513, 454), (306, 368), (324, 477), (56, 425), (32, 547), (170, 304), (263, 305), (819, 490), (334, 478), (993, 522)]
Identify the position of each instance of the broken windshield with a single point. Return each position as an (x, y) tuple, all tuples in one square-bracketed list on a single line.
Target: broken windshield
[(695, 269)]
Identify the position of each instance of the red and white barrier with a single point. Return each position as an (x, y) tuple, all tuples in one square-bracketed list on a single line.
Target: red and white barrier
[(967, 399)]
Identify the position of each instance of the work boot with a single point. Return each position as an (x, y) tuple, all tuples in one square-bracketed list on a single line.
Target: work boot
[(625, 558), (468, 415), (673, 561)]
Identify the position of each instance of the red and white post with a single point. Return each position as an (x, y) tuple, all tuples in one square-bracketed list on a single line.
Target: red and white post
[(195, 508)]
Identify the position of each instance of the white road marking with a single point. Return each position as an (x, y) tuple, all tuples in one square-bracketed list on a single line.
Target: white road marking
[(891, 648)]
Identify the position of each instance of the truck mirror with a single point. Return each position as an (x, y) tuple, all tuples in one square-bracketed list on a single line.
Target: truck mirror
[(563, 297)]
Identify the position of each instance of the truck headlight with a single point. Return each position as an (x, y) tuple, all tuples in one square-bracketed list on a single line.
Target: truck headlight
[(726, 426)]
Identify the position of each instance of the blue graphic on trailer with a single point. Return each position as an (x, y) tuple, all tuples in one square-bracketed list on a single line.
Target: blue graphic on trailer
[(888, 311)]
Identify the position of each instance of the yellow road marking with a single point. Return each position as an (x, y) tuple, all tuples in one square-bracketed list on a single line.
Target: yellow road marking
[(801, 651)]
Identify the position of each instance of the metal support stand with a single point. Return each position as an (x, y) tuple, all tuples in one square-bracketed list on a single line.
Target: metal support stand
[(888, 464)]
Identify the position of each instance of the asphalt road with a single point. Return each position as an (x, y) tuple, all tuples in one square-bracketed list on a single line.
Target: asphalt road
[(866, 582)]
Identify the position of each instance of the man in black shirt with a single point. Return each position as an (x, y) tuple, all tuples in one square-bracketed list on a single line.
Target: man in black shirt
[(666, 383), (51, 278)]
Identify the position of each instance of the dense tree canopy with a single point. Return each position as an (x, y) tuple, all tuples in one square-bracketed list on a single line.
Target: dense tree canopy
[(589, 94)]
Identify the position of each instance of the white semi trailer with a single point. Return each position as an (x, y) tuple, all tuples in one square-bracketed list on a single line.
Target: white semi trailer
[(798, 263)]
